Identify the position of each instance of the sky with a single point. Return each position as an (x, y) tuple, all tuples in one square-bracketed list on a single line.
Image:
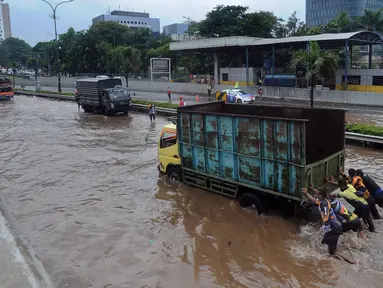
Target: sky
[(31, 20)]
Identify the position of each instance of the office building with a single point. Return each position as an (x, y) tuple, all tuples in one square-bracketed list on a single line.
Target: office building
[(5, 22), (320, 12), (133, 20), (176, 28)]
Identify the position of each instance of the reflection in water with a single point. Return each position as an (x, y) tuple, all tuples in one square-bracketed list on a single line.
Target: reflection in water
[(237, 248), (84, 191)]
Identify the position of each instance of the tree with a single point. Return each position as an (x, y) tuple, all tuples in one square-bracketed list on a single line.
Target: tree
[(318, 62), (14, 50), (372, 20), (293, 27), (223, 21), (259, 24)]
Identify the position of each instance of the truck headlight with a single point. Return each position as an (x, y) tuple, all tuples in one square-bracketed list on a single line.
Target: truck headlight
[(112, 105)]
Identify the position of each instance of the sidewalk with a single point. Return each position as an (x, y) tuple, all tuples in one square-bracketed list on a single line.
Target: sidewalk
[(18, 268)]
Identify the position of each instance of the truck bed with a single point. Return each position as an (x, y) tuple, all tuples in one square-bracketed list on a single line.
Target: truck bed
[(276, 150)]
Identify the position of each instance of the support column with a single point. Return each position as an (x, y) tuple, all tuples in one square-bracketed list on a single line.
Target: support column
[(247, 67), (307, 66), (369, 56), (273, 63), (346, 67), (351, 57), (216, 69)]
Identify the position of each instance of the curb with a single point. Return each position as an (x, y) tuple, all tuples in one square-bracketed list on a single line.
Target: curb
[(27, 264)]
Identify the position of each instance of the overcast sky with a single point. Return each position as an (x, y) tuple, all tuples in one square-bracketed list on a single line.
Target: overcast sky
[(31, 19)]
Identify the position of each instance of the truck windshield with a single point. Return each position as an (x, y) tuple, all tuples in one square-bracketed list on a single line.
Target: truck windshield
[(119, 94)]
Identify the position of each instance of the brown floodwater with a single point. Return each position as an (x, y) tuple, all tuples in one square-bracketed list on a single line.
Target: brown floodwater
[(84, 191)]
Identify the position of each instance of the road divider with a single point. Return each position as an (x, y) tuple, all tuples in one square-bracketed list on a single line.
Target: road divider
[(362, 138)]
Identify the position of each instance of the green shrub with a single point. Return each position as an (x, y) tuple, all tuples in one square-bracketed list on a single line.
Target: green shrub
[(366, 129)]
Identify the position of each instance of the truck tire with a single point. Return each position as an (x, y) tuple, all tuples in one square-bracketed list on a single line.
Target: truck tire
[(310, 212), (252, 200), (104, 111), (174, 173)]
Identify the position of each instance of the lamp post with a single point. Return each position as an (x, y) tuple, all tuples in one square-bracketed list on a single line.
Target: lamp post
[(57, 43)]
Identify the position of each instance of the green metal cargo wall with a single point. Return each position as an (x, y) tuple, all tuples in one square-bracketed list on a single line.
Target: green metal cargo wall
[(263, 152)]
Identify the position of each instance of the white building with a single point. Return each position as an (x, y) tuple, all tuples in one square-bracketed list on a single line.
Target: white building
[(5, 22), (133, 20)]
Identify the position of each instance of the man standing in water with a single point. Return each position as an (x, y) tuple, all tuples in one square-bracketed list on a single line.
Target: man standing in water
[(152, 113), (170, 95), (331, 225)]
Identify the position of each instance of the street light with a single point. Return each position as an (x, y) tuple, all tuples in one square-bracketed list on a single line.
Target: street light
[(57, 42)]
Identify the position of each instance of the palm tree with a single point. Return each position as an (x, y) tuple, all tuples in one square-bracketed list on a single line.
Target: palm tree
[(372, 20), (318, 62)]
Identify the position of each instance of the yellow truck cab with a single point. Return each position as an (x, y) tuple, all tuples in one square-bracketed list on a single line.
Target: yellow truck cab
[(168, 155)]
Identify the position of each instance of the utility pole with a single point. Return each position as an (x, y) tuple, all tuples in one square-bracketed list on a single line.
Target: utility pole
[(57, 42)]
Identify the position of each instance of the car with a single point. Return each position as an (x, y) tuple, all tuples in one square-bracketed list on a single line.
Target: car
[(238, 96)]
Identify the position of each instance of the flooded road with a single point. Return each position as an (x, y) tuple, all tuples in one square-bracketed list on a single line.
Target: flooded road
[(84, 191)]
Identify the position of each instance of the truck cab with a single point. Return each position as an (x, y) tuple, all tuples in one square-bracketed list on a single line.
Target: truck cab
[(168, 155), (117, 100)]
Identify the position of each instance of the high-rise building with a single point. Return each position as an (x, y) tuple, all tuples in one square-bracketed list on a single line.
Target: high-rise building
[(5, 21), (133, 20), (176, 28), (320, 12)]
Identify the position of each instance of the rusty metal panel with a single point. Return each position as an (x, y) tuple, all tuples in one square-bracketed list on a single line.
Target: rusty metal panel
[(268, 139), (248, 136), (213, 162), (283, 178), (184, 120), (186, 155), (199, 159), (226, 133), (228, 164), (295, 180), (197, 129), (268, 180), (211, 131), (249, 170), (281, 140), (296, 142)]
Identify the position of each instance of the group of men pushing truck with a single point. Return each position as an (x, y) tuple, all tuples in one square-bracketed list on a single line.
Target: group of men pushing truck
[(361, 192)]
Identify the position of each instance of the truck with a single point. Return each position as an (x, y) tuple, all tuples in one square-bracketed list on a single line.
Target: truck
[(258, 154), (103, 95)]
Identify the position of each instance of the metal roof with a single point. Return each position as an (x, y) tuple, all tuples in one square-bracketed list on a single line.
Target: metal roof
[(356, 38)]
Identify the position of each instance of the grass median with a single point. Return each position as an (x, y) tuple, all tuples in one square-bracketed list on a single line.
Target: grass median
[(365, 129), (135, 101)]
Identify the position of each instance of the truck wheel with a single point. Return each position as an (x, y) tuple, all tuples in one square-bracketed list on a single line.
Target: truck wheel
[(310, 212), (239, 101), (174, 173), (252, 200)]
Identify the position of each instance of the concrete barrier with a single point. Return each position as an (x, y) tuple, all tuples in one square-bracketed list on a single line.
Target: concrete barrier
[(332, 96)]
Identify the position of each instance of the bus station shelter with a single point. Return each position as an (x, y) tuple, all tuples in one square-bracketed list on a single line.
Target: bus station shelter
[(247, 45)]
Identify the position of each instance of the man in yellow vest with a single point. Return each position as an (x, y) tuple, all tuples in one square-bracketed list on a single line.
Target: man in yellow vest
[(236, 86)]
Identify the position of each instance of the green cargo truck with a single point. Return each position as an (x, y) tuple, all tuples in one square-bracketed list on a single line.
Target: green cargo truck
[(252, 152)]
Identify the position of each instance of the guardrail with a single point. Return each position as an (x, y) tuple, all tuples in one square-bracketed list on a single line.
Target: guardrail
[(364, 139), (159, 110)]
